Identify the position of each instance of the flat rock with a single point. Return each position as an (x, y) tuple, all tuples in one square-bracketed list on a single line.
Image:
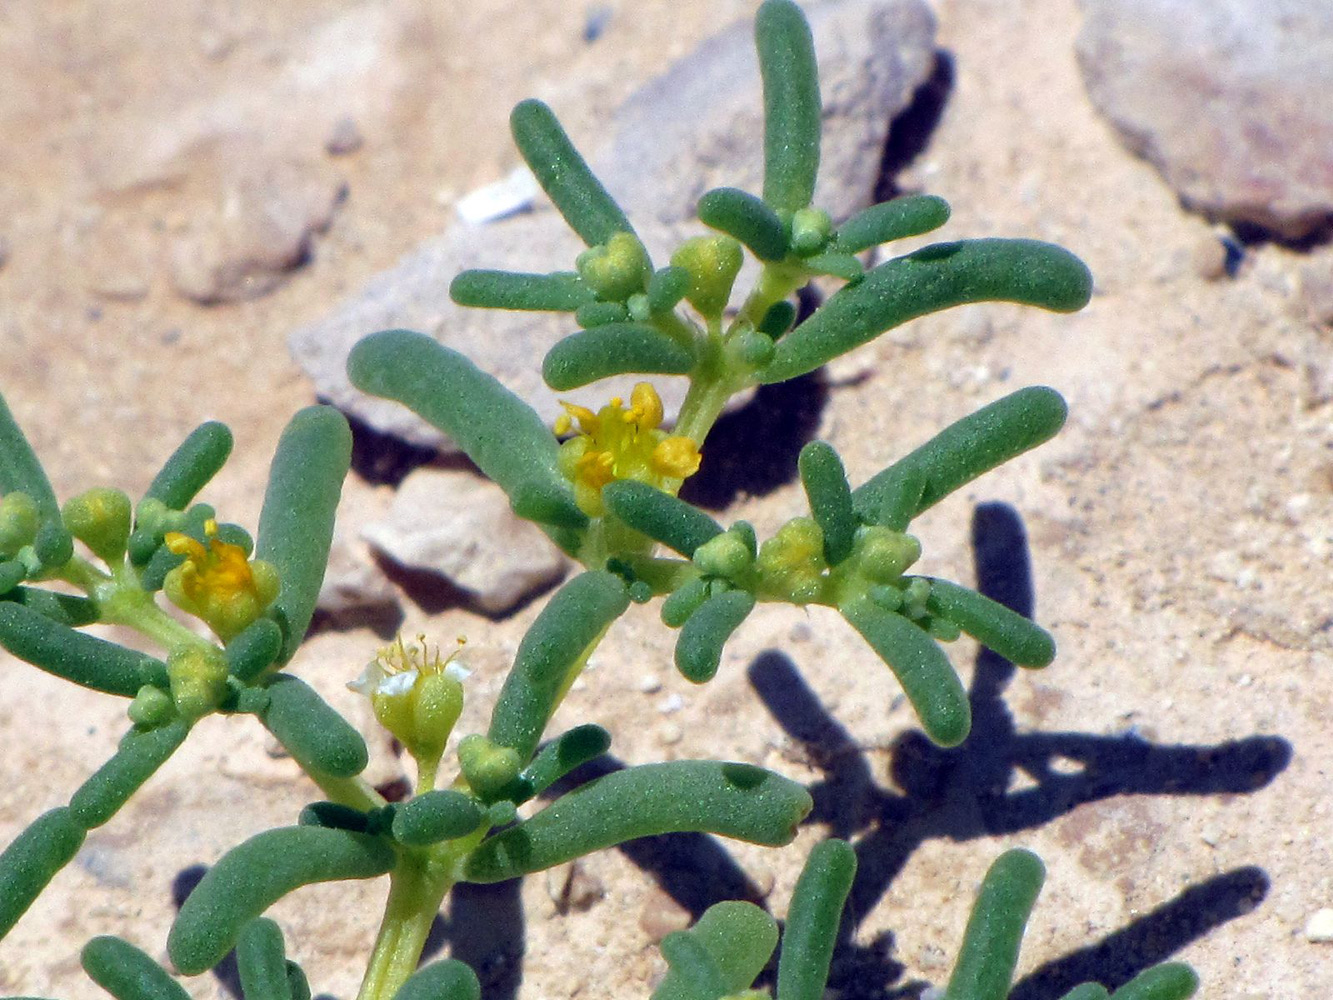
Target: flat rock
[(696, 127), (459, 525), (1229, 100)]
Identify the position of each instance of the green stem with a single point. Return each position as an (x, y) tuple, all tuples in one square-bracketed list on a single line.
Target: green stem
[(354, 792), (417, 888), (776, 283)]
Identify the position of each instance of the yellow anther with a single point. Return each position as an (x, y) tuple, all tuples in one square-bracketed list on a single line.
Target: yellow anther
[(217, 583), (677, 457)]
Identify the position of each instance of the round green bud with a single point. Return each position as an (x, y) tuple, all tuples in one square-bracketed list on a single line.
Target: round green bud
[(487, 767), (151, 707), (884, 554), (639, 309), (198, 676), (755, 349), (437, 701), (915, 597), (616, 269), (100, 518), (810, 230), (712, 262), (723, 555), (19, 520)]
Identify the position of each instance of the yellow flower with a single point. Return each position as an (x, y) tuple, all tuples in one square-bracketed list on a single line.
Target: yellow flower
[(217, 583), (622, 442)]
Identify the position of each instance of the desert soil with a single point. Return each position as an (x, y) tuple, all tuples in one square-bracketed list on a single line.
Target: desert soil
[(1172, 765)]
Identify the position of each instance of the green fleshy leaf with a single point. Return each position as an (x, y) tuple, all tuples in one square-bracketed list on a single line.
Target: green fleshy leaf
[(547, 504), (986, 961), (738, 937), (435, 816), (191, 466), (694, 973), (830, 499), (910, 215), (613, 349), (746, 218), (699, 645), (596, 314), (925, 673), (1087, 991), (140, 754), (996, 627), (32, 860), (296, 522), (84, 659), (318, 737), (684, 601), (552, 650), (778, 319), (562, 755), (812, 920), (659, 515), (20, 470), (496, 429), (63, 609), (563, 174), (839, 265), (254, 650), (563, 291), (732, 800), (666, 288), (791, 105), (261, 960), (251, 877), (1168, 981), (449, 979), (128, 973), (934, 278), (960, 453)]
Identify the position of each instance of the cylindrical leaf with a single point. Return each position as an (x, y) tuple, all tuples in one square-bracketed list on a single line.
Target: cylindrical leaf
[(732, 800), (812, 920), (261, 960), (986, 961), (300, 986), (563, 754), (996, 627), (684, 601), (927, 677), (964, 450), (250, 878), (255, 650), (191, 465), (667, 287), (738, 937), (935, 278), (561, 292), (548, 504), (496, 429), (84, 659), (140, 754), (296, 523), (613, 349), (910, 215), (791, 104), (748, 219), (830, 499), (435, 816), (555, 644), (1169, 981), (563, 174), (20, 471), (128, 973), (699, 645), (1087, 991), (449, 979), (673, 522), (32, 860), (319, 738), (63, 609), (694, 973)]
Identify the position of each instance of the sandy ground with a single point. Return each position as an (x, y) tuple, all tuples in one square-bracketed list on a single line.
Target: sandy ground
[(1171, 766)]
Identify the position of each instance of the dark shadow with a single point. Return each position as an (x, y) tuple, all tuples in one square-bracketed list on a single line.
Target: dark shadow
[(383, 459), (963, 793), (753, 450), (910, 132), (485, 929), (226, 973), (1251, 235), (384, 620)]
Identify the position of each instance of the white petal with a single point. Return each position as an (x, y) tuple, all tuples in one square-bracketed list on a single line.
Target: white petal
[(396, 684)]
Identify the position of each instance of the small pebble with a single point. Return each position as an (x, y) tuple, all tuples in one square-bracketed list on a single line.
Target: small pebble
[(661, 915), (670, 734), (343, 138), (1209, 258), (671, 703), (571, 887), (650, 684), (1319, 928)]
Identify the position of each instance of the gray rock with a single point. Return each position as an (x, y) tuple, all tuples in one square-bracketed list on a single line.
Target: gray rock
[(697, 127), (1230, 100), (460, 526)]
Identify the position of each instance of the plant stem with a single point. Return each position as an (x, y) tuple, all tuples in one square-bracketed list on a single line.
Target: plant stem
[(417, 888)]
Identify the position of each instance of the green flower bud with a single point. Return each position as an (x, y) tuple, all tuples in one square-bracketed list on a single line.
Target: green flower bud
[(487, 767), (883, 554), (198, 675), (811, 229), (915, 597), (151, 707), (755, 349), (724, 555), (19, 521), (100, 518), (712, 263), (792, 561), (616, 269)]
